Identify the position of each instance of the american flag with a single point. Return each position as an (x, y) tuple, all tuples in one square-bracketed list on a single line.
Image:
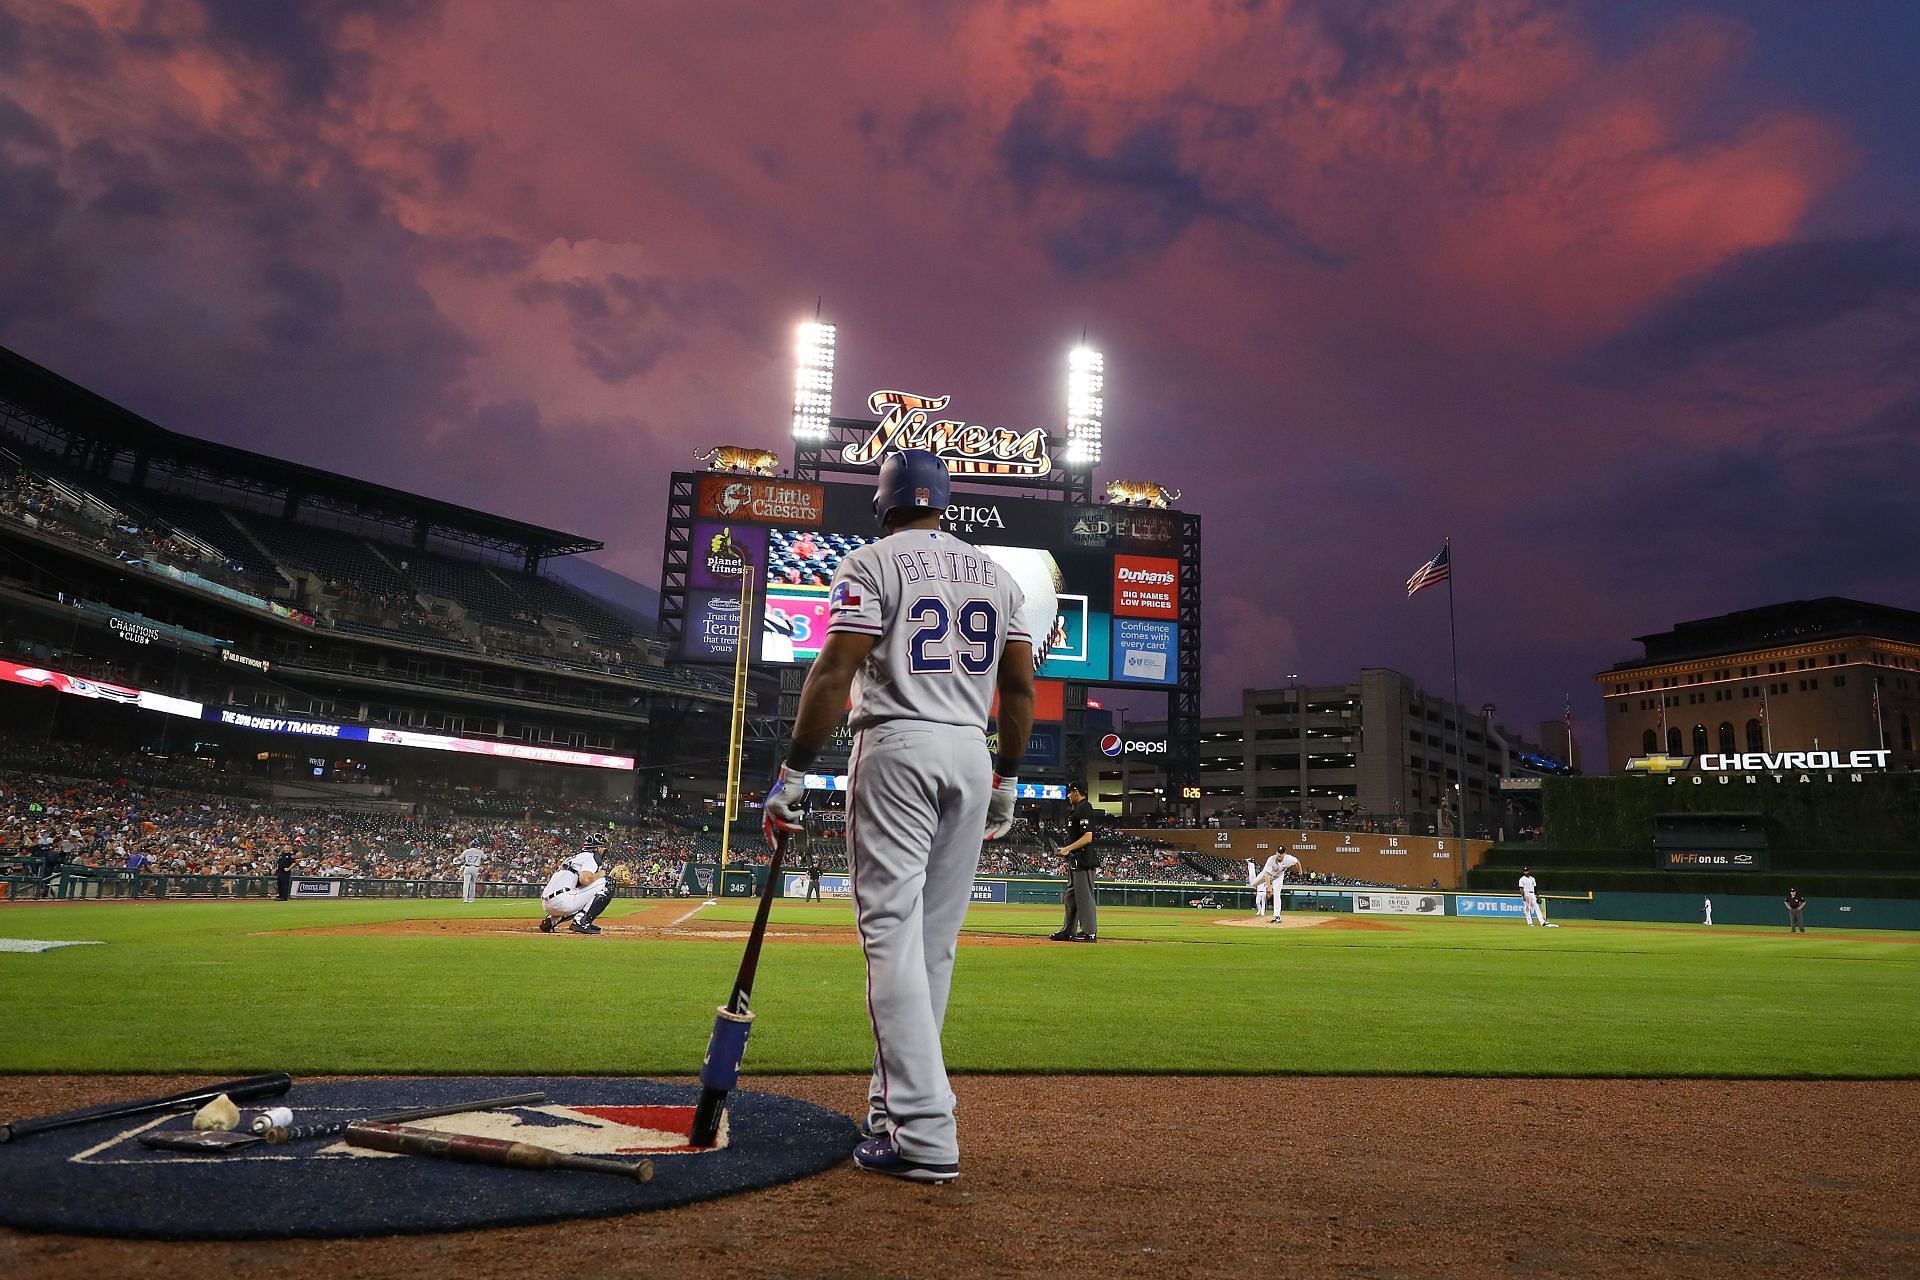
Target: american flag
[(1432, 573), (1876, 702)]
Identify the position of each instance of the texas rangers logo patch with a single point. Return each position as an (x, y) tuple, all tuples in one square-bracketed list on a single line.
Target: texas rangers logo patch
[(844, 596)]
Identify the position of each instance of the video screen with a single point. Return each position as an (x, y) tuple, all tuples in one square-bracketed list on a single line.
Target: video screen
[(1067, 599), (1102, 584), (800, 568)]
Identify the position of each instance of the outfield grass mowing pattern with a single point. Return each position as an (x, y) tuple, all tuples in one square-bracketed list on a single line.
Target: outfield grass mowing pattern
[(220, 987)]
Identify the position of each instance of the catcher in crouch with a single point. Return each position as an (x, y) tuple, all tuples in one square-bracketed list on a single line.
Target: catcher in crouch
[(578, 889)]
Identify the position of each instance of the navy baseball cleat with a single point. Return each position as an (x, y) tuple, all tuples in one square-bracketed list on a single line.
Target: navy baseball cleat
[(1062, 936), (877, 1155), (546, 924), (1084, 937), (584, 927)]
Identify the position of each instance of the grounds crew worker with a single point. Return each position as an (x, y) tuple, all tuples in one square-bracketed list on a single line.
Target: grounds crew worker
[(1082, 922)]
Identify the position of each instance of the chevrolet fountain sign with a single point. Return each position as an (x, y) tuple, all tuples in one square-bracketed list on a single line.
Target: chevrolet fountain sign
[(1784, 766)]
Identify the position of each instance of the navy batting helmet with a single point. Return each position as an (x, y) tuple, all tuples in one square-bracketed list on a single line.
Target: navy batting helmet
[(911, 478)]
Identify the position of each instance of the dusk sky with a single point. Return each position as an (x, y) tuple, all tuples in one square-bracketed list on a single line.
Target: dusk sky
[(1622, 296)]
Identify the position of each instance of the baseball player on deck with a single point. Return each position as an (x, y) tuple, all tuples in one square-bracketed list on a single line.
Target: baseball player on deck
[(924, 629), (470, 871), (1269, 880), (578, 889)]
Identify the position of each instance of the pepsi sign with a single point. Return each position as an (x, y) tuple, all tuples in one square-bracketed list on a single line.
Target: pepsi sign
[(1113, 746)]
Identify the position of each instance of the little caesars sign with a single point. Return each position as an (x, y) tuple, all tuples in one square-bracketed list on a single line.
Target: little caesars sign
[(1788, 766)]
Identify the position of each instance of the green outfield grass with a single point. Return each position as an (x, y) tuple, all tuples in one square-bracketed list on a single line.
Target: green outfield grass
[(218, 987)]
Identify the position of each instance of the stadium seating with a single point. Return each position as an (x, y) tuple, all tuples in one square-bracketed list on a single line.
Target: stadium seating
[(334, 555), (474, 586)]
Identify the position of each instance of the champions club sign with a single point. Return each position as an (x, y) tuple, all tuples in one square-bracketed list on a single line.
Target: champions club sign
[(907, 422)]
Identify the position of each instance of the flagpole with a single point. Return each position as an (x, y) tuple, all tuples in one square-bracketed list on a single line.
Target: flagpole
[(1879, 720), (1459, 712)]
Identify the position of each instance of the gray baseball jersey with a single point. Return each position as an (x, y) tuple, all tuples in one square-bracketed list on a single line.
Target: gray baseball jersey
[(472, 858), (941, 614)]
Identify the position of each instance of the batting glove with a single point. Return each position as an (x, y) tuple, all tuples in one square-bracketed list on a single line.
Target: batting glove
[(1000, 807), (785, 808)]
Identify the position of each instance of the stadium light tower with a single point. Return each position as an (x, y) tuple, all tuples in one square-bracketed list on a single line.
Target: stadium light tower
[(1086, 405), (813, 381)]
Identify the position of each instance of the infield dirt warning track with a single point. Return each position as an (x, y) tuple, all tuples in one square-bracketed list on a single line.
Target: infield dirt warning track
[(679, 921)]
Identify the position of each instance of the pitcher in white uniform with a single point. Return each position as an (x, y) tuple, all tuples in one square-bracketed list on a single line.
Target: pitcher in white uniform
[(1269, 880), (924, 629)]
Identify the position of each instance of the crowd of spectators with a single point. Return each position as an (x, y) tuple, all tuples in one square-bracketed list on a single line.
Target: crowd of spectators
[(50, 818), (115, 811), (109, 810), (50, 507)]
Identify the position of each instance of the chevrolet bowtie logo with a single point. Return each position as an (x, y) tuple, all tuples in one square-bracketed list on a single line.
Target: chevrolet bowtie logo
[(1658, 764)]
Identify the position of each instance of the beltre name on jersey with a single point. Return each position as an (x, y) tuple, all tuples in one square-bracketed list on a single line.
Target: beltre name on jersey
[(938, 610)]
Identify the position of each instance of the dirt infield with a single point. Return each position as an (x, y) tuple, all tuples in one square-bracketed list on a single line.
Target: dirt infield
[(1218, 1177), (667, 921), (1296, 920)]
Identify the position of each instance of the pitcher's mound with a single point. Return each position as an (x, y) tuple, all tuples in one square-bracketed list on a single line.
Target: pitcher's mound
[(1304, 920), (1287, 920)]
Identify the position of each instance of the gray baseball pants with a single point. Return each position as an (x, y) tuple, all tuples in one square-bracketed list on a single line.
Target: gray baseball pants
[(1082, 903), (916, 815)]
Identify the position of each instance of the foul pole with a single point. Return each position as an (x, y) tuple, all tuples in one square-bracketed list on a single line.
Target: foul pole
[(736, 732)]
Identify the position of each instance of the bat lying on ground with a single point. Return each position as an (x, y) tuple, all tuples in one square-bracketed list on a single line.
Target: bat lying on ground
[(727, 1045), (271, 1085), (477, 1150), (333, 1128)]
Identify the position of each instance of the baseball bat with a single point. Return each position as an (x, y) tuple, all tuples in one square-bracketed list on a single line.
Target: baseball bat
[(331, 1128), (271, 1085), (727, 1045), (474, 1149)]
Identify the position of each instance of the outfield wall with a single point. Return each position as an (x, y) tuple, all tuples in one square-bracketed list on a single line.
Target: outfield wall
[(1836, 812), (1414, 861)]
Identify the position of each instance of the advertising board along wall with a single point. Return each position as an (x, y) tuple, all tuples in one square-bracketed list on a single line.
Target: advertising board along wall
[(1413, 861)]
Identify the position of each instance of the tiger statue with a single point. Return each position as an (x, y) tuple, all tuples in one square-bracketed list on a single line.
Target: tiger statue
[(1141, 493), (740, 460)]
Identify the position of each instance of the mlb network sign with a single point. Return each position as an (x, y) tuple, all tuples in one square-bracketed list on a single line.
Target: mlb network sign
[(1113, 746)]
